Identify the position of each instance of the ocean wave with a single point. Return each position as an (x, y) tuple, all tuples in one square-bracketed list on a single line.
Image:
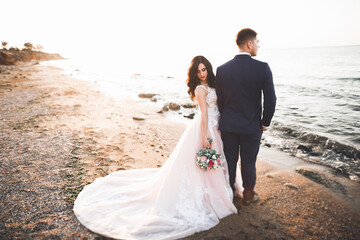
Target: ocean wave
[(349, 78), (355, 107)]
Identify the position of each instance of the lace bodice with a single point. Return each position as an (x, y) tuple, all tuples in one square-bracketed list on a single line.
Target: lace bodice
[(213, 112), (211, 103)]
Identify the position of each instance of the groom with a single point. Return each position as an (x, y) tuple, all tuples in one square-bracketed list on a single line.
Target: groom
[(240, 84)]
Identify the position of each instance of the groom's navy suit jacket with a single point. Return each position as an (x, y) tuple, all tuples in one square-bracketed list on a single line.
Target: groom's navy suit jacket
[(239, 86)]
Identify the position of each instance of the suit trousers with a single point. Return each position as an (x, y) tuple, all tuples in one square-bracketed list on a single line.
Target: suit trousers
[(248, 145)]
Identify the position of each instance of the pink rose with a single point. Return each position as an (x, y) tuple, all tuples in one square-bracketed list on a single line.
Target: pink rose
[(203, 158)]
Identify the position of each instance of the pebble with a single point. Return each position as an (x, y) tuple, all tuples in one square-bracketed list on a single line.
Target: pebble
[(138, 118), (292, 186), (147, 95), (269, 175)]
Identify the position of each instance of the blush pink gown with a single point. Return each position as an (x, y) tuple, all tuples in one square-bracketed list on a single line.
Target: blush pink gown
[(170, 202)]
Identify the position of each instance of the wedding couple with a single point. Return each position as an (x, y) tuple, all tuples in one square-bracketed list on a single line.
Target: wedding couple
[(179, 198)]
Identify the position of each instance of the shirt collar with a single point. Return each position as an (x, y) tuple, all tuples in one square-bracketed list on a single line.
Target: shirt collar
[(243, 53)]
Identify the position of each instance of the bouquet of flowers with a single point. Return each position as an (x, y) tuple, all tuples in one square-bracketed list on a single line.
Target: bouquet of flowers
[(207, 158)]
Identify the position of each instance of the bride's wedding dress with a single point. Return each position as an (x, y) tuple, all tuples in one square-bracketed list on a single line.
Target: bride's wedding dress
[(170, 202)]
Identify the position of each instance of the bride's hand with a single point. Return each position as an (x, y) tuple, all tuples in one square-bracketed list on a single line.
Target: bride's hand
[(206, 144)]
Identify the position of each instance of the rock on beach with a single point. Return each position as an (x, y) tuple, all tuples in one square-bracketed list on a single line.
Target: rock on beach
[(147, 95)]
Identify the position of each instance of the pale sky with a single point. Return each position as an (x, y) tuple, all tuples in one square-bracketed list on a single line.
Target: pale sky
[(141, 32)]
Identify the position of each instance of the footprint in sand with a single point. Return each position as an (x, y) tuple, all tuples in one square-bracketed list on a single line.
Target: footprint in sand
[(101, 172), (127, 158)]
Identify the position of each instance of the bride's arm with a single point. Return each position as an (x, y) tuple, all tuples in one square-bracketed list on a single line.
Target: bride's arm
[(200, 95)]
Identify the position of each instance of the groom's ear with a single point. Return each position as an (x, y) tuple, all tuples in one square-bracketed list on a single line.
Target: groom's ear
[(249, 44)]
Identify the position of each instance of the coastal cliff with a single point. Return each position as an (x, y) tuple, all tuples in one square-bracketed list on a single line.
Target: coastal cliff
[(11, 57)]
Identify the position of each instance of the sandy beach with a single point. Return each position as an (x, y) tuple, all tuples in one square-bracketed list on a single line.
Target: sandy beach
[(58, 134)]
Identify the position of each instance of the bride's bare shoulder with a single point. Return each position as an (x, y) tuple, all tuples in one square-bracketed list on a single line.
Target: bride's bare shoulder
[(201, 89)]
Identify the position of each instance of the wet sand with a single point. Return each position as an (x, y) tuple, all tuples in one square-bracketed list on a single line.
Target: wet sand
[(58, 134)]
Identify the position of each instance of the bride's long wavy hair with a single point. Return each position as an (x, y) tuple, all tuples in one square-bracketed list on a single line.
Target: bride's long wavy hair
[(193, 80)]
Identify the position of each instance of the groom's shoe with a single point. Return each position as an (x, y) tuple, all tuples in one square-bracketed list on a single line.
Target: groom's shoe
[(250, 197), (236, 197)]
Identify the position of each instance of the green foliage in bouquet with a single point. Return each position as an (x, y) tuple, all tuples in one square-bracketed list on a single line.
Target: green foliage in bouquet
[(207, 158)]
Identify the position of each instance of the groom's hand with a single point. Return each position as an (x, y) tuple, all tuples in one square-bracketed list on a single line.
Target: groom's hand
[(263, 128)]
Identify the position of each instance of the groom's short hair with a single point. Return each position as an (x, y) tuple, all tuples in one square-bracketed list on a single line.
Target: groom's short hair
[(245, 35)]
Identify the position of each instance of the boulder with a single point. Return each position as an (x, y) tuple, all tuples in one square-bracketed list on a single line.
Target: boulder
[(174, 106), (313, 138), (190, 116), (304, 148), (348, 151), (188, 105), (165, 108)]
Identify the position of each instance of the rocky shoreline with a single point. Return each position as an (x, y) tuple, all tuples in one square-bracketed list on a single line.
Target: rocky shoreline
[(317, 149)]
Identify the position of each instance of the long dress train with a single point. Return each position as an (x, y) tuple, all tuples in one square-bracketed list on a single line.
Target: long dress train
[(170, 202)]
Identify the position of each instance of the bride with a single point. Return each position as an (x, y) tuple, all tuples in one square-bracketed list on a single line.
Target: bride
[(173, 201)]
